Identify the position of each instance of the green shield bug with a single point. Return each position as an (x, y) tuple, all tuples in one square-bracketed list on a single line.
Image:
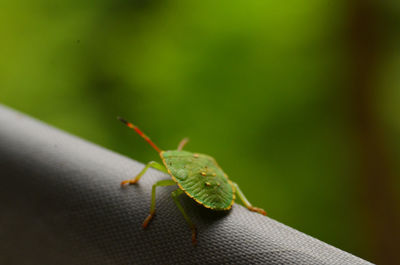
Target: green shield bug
[(197, 175)]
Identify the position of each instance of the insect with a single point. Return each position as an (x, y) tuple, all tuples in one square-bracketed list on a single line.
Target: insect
[(197, 175)]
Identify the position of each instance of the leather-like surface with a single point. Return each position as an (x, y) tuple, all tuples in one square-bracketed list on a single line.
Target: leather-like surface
[(61, 203)]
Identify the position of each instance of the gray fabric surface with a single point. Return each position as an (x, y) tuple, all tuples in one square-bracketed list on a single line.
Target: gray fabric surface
[(61, 203)]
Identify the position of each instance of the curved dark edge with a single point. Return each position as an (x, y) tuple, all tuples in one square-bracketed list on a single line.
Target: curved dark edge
[(61, 203)]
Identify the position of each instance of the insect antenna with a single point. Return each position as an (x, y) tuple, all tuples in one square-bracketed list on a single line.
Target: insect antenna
[(134, 127), (183, 143)]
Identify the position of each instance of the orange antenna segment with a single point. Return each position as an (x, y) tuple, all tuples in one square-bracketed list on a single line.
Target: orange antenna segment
[(130, 125)]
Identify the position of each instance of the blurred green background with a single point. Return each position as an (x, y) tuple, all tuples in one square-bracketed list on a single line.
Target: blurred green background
[(297, 100)]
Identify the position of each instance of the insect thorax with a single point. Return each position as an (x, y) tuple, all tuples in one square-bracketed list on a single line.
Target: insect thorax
[(200, 177)]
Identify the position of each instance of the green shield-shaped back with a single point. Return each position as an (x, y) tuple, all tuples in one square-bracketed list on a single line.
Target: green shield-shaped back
[(201, 178)]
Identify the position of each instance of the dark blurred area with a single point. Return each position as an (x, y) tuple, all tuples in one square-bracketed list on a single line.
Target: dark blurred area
[(298, 101)]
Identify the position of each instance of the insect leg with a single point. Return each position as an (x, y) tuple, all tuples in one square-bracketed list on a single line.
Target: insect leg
[(246, 202), (182, 143), (138, 176), (175, 194), (168, 182)]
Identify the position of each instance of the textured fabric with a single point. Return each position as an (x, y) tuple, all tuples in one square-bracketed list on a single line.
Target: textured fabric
[(61, 203)]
